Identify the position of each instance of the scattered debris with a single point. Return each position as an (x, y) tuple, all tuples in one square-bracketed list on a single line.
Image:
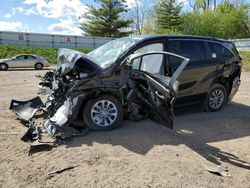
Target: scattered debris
[(62, 170), (219, 170)]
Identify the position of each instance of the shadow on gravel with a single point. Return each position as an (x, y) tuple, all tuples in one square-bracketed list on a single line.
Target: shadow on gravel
[(193, 127)]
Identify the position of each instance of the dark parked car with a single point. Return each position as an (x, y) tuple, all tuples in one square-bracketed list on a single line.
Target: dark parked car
[(134, 78)]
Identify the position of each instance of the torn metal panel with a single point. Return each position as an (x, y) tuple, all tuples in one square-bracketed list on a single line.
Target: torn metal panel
[(219, 170), (33, 132), (26, 109)]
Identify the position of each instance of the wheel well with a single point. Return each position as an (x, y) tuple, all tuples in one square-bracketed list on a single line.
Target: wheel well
[(5, 64), (227, 81), (97, 93), (223, 81)]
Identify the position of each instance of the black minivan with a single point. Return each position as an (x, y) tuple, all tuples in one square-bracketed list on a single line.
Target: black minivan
[(212, 75), (136, 77)]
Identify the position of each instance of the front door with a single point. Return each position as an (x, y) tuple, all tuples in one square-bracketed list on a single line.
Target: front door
[(158, 91), (18, 61)]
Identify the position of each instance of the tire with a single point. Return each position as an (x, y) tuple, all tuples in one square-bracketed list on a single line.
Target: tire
[(3, 66), (216, 98), (92, 114), (39, 66)]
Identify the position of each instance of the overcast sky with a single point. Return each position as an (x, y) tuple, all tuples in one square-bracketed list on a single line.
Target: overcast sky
[(46, 16)]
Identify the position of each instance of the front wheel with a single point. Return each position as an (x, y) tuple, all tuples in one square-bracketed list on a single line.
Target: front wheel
[(216, 98), (103, 113), (3, 66)]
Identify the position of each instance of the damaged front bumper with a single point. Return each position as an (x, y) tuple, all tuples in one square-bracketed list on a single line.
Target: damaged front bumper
[(25, 110), (43, 127)]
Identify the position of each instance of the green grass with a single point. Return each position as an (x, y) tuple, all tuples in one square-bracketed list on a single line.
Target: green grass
[(49, 53), (245, 59)]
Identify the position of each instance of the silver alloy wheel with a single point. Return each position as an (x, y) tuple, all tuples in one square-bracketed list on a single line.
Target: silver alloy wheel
[(216, 98), (3, 66), (104, 113), (39, 66)]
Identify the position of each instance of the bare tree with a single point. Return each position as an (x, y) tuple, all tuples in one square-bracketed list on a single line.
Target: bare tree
[(138, 13), (193, 5), (196, 5)]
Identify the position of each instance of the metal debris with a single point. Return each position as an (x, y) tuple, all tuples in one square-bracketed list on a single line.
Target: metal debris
[(219, 170)]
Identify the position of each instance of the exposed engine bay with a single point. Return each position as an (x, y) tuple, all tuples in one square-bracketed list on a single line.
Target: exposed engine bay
[(82, 95)]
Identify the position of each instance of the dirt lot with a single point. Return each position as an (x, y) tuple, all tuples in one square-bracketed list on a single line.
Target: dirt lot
[(142, 154)]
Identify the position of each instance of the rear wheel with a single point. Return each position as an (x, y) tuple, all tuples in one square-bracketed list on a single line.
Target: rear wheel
[(216, 98), (3, 66), (39, 66), (103, 113)]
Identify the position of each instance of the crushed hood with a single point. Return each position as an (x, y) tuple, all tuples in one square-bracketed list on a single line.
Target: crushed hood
[(68, 58)]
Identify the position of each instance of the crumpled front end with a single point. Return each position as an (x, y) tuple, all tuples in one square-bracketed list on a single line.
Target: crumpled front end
[(56, 115)]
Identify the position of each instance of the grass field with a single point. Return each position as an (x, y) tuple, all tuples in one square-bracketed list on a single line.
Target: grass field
[(51, 53)]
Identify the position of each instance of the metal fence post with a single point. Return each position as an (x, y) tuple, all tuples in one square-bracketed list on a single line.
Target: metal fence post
[(75, 37), (53, 41), (94, 42), (27, 38)]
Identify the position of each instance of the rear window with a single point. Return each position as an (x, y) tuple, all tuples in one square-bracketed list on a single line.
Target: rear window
[(219, 51), (232, 47)]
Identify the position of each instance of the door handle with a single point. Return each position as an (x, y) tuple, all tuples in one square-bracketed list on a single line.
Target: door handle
[(159, 95)]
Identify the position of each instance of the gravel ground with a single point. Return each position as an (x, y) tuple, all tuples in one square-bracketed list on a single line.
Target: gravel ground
[(139, 154)]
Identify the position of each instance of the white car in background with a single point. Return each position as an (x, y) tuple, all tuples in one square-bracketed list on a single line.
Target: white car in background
[(24, 61)]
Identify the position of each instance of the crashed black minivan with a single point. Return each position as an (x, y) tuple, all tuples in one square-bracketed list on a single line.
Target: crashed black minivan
[(134, 78)]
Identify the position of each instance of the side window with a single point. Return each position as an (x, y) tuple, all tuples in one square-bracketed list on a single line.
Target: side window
[(21, 57), (218, 51), (150, 47), (194, 50), (30, 57), (150, 63)]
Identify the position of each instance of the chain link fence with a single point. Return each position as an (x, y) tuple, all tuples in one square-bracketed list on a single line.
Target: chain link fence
[(242, 44)]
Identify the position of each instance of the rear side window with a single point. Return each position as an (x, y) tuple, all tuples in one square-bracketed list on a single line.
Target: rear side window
[(194, 50), (30, 57), (219, 51)]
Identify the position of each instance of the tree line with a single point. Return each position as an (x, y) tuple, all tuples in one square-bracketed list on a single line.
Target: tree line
[(113, 18)]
